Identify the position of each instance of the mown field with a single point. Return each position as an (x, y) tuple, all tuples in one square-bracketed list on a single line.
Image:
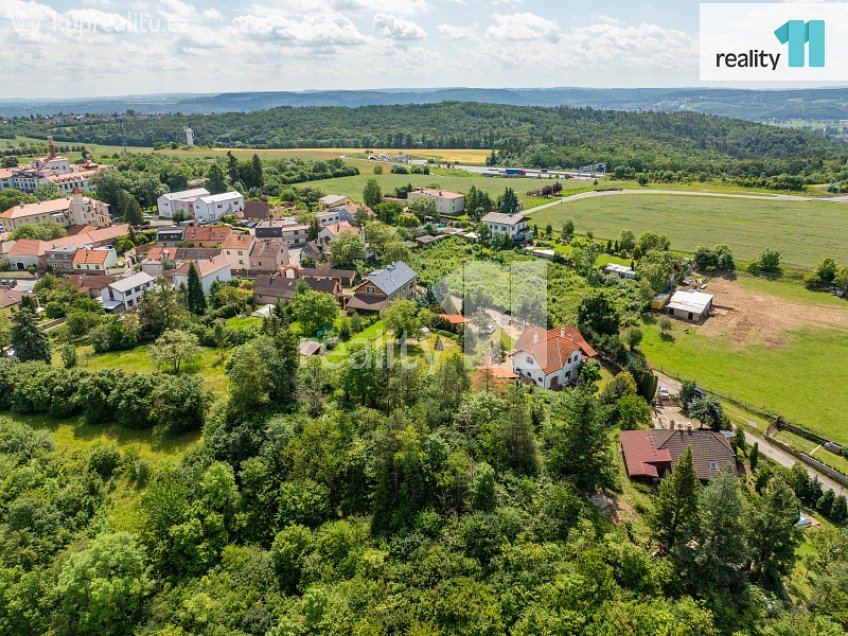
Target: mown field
[(801, 374), (803, 231), (494, 186)]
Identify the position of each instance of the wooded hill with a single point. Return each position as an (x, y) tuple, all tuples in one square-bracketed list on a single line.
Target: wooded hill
[(537, 136)]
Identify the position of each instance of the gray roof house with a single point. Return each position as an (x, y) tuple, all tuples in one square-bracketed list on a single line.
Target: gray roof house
[(383, 286)]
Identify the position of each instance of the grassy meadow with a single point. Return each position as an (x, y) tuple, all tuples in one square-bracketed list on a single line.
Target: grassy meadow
[(803, 231)]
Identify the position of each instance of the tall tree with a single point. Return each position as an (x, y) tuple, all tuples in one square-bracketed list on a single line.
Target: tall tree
[(233, 168), (132, 211), (578, 441), (372, 195), (509, 202), (27, 340), (216, 182), (676, 504), (195, 298), (774, 534), (174, 350)]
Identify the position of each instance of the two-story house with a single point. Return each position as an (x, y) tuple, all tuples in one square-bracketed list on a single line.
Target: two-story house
[(383, 286), (550, 359), (124, 294)]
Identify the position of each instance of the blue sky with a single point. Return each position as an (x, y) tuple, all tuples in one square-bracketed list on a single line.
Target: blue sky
[(113, 47)]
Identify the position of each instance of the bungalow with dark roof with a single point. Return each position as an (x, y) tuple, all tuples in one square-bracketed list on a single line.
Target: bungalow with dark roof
[(649, 454)]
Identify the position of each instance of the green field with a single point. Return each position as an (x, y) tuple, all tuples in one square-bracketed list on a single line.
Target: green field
[(804, 381), (803, 231), (494, 186)]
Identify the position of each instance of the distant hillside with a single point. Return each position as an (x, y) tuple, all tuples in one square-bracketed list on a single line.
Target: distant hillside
[(756, 105), (530, 135)]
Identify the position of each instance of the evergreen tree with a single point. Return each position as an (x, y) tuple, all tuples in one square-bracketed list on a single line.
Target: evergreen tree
[(132, 211), (27, 340), (509, 202), (216, 182), (195, 298), (676, 504), (754, 456), (774, 533), (257, 174), (578, 441), (839, 511), (233, 168)]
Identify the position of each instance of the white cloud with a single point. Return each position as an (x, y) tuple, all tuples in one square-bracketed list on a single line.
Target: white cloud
[(395, 28), (315, 30), (403, 7), (523, 27), (508, 2), (457, 32)]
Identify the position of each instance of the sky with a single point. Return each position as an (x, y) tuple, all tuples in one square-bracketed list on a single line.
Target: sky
[(86, 48)]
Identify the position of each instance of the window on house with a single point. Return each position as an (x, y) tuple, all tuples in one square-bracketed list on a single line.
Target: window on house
[(713, 465)]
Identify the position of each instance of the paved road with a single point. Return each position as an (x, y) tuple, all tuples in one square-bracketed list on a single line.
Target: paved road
[(766, 448), (761, 197)]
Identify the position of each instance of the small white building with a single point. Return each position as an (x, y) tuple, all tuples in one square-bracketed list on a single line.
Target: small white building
[(514, 225), (447, 203), (125, 293), (620, 270), (211, 271), (333, 200), (208, 209), (690, 305), (183, 201)]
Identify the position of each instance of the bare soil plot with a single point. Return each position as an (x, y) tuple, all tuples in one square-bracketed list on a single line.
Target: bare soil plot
[(747, 316)]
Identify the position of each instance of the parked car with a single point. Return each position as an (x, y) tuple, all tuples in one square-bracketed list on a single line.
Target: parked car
[(664, 392)]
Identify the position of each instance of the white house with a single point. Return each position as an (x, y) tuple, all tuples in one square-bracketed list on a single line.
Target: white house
[(334, 229), (94, 259), (690, 305), (550, 359), (125, 293), (514, 225), (333, 200), (211, 208), (183, 201), (214, 270), (447, 203)]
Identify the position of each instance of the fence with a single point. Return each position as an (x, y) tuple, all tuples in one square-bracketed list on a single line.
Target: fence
[(779, 422)]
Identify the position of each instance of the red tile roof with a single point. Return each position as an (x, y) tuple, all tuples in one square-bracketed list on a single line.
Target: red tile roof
[(238, 241), (206, 233), (204, 268), (552, 349), (90, 257), (641, 455)]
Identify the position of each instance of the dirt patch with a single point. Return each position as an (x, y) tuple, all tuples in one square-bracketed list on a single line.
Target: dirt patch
[(746, 317)]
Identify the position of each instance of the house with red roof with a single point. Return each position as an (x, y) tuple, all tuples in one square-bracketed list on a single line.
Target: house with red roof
[(334, 229), (550, 359), (214, 270), (649, 454)]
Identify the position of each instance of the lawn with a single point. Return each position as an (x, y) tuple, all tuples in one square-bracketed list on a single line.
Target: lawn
[(210, 366), (804, 380), (494, 186), (803, 231)]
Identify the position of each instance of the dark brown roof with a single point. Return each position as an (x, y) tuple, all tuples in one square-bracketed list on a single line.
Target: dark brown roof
[(368, 302), (11, 297), (344, 275), (648, 453), (710, 449), (257, 209), (90, 282), (278, 286)]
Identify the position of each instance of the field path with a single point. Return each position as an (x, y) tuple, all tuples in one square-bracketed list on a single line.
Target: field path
[(762, 197)]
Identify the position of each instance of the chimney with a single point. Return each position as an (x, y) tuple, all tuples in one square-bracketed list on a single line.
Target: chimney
[(535, 338), (562, 332), (689, 427)]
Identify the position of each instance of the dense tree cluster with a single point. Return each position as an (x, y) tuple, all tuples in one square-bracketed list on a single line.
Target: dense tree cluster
[(664, 146)]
